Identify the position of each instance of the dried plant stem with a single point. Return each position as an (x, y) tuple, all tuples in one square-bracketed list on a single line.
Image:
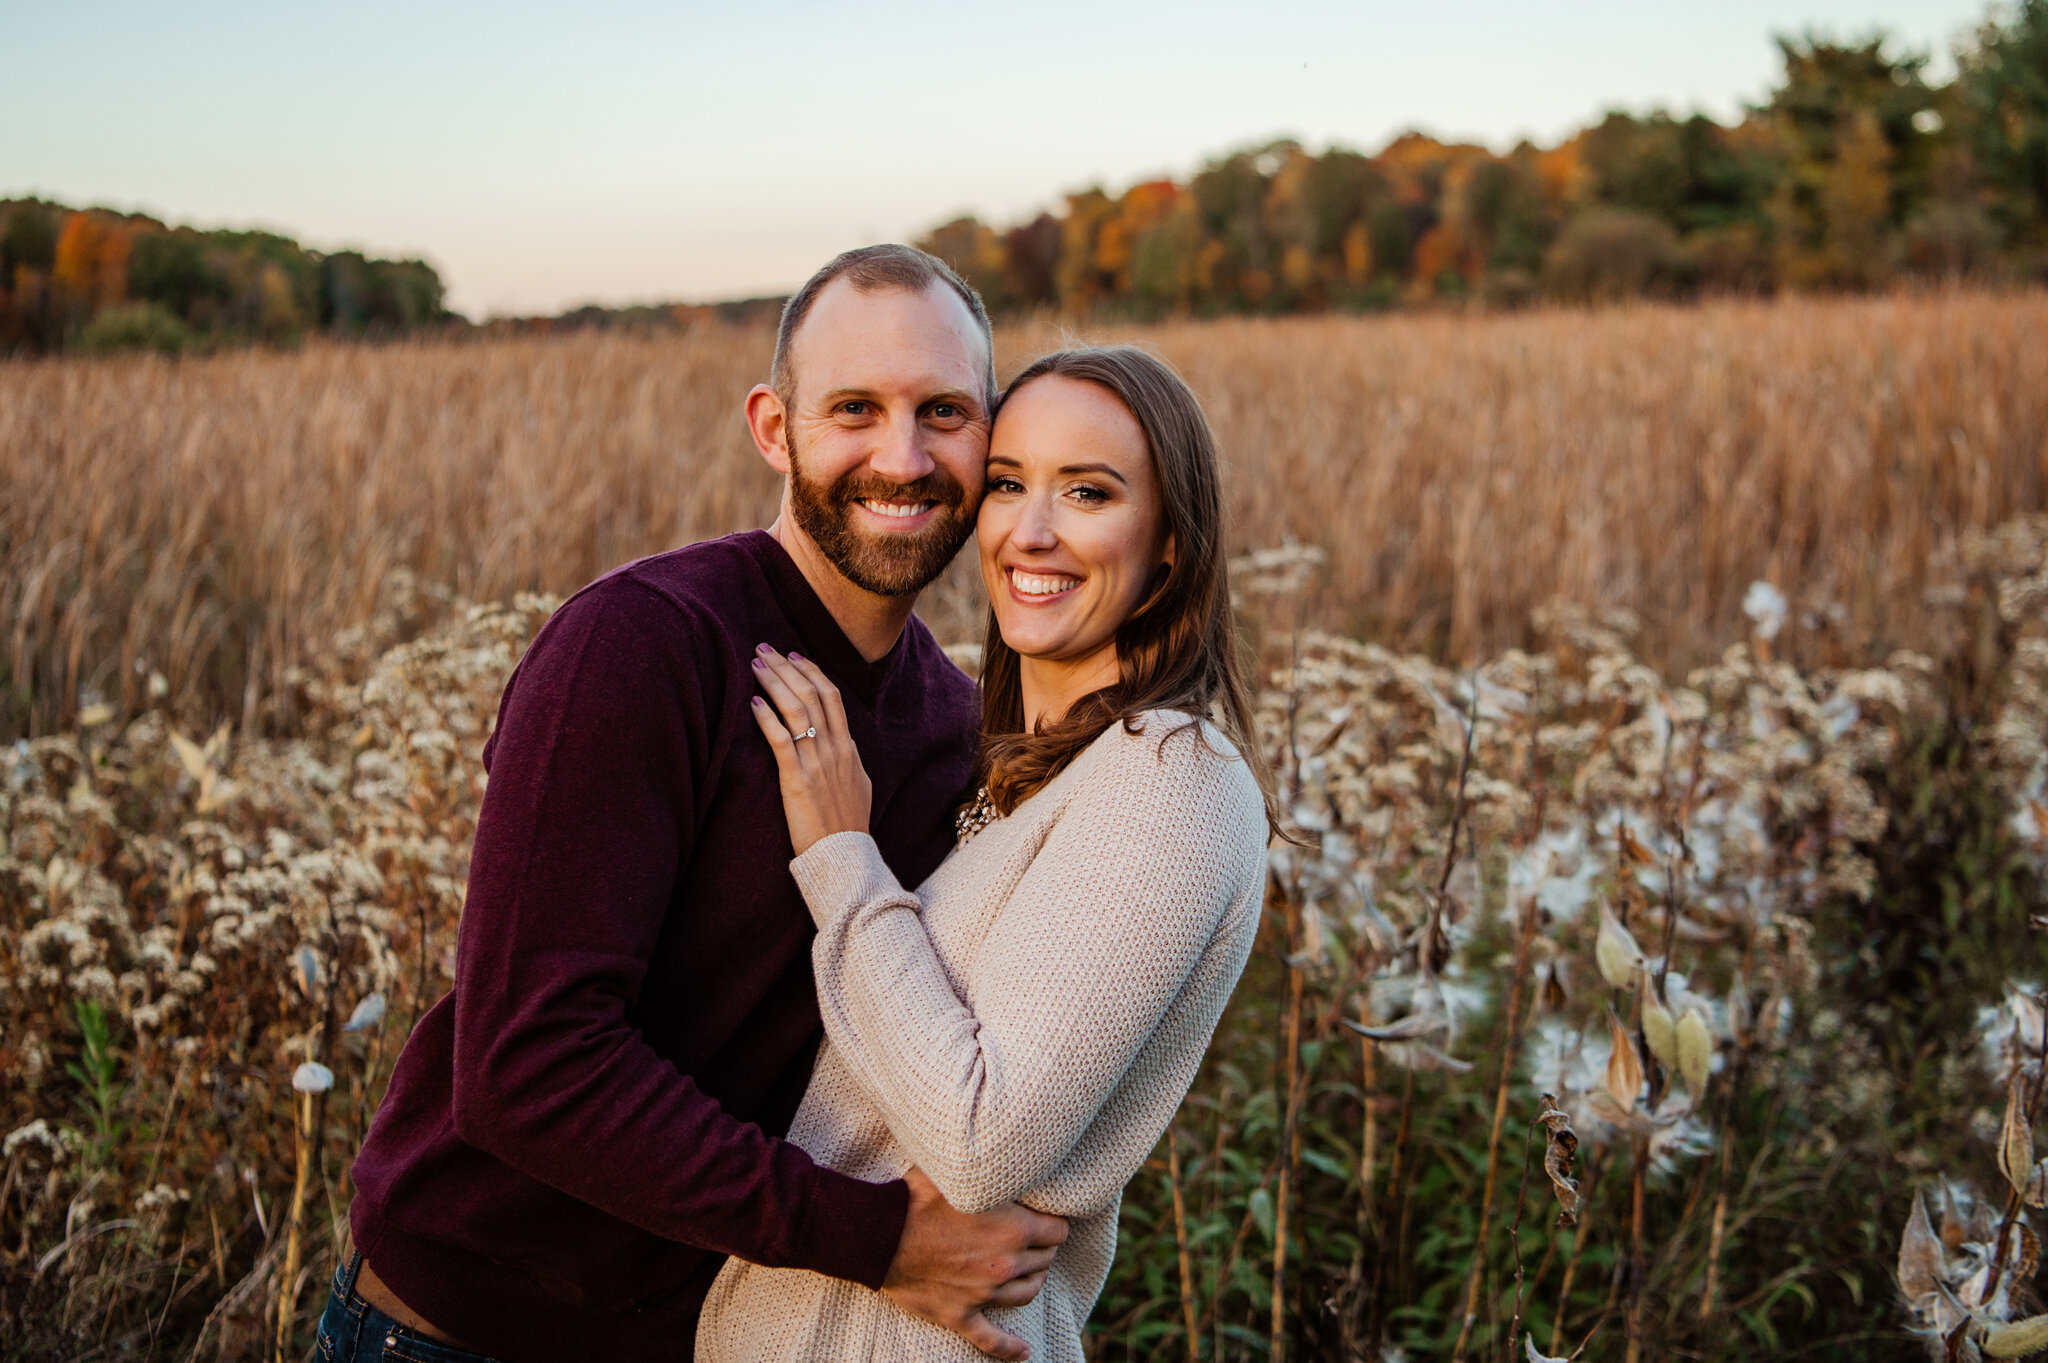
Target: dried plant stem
[(1571, 1263), (287, 1295), (1237, 1243), (1510, 1045), (1515, 1237), (1716, 1236), (1368, 1160), (1639, 1156), (1180, 1236), (2002, 1244), (1290, 1154), (1396, 1180)]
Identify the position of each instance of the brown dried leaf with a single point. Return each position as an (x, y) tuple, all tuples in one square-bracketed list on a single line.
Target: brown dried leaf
[(1921, 1261), (1420, 1055), (1635, 1123), (1561, 1148), (2016, 1139), (1624, 1066), (1555, 997), (1633, 853), (2027, 1259), (1405, 1029)]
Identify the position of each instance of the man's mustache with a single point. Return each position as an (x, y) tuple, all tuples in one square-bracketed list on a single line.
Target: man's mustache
[(936, 486)]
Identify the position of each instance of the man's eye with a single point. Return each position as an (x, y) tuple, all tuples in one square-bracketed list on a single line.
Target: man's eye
[(854, 408), (946, 410)]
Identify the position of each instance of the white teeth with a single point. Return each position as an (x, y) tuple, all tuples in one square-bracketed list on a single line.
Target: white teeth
[(897, 510), (1031, 584)]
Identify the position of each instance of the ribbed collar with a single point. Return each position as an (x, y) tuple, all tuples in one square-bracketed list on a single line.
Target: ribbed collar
[(824, 641)]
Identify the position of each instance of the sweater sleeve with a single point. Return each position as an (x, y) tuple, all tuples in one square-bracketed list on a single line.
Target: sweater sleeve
[(584, 824), (989, 1093)]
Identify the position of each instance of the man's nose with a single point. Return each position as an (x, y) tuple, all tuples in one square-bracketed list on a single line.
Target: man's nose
[(900, 454)]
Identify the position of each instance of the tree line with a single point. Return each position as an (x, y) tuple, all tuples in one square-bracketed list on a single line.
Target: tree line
[(1857, 171), (97, 280)]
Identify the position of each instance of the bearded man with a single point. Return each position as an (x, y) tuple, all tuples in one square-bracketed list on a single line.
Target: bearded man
[(577, 1135)]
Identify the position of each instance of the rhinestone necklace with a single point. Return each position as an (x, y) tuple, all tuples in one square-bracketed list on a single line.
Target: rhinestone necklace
[(975, 817)]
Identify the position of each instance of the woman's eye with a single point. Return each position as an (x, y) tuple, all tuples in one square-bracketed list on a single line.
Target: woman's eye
[(1006, 485), (1091, 495)]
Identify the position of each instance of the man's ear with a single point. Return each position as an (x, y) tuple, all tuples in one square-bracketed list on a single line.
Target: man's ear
[(768, 423)]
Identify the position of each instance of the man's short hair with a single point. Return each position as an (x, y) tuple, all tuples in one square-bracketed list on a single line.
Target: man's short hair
[(869, 269)]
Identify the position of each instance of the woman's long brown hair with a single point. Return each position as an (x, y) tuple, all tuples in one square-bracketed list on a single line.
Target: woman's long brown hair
[(1179, 650)]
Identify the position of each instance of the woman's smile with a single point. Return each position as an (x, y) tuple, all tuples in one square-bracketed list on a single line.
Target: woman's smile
[(1038, 589)]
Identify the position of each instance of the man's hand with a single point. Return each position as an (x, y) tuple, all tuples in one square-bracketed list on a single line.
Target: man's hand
[(950, 1266)]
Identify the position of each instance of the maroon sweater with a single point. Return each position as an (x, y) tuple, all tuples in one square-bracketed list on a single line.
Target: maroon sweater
[(590, 1120)]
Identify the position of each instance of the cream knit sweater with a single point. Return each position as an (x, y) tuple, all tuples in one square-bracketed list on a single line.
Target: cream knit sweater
[(1023, 1027)]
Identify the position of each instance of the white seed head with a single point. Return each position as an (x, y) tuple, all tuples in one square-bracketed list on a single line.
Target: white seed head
[(312, 1077)]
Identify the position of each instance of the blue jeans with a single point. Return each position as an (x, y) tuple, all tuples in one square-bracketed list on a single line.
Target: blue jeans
[(353, 1331)]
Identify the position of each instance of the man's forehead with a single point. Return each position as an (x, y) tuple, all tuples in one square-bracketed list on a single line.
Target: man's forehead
[(889, 338)]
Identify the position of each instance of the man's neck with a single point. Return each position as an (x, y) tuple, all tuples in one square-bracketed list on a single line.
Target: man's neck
[(871, 623)]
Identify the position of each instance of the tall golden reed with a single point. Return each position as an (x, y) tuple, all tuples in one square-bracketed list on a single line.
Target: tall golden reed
[(216, 520)]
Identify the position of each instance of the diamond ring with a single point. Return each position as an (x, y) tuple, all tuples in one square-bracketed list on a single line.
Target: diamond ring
[(811, 732)]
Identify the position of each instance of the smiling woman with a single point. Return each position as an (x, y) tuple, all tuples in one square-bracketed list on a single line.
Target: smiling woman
[(1102, 549), (1073, 536)]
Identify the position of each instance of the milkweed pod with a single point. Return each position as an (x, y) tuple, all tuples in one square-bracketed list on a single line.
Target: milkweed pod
[(1624, 1067), (1616, 951), (2016, 1139), (2018, 1338), (1660, 1029), (1695, 1050), (312, 1077)]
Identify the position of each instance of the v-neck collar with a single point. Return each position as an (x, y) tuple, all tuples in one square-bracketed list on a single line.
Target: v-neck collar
[(829, 647)]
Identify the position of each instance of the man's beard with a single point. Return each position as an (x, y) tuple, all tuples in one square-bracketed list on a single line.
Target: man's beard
[(883, 563)]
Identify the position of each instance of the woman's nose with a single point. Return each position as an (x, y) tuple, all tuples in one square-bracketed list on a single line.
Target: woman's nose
[(1035, 528)]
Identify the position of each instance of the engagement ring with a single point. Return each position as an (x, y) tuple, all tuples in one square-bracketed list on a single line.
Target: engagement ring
[(811, 732)]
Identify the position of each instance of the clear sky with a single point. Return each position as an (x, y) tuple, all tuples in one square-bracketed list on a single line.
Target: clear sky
[(545, 154)]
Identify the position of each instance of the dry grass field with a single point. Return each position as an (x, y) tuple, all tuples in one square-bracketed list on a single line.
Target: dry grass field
[(218, 521), (1650, 978)]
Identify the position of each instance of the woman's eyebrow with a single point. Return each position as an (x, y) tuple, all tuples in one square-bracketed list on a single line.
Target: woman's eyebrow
[(1010, 461)]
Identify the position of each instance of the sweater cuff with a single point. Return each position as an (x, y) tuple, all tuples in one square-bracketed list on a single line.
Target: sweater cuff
[(839, 873), (852, 1229)]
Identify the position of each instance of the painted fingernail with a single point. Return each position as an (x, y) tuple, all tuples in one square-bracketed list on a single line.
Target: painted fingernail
[(758, 702), (795, 656), (762, 648), (758, 665)]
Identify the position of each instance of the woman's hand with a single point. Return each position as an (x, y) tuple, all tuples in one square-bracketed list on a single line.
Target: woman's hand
[(825, 790)]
